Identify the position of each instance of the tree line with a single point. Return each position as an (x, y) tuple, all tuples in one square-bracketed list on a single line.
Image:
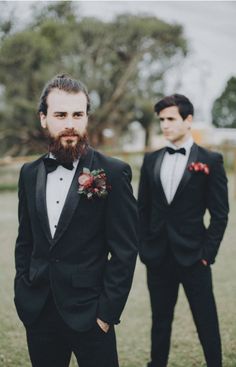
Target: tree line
[(122, 62)]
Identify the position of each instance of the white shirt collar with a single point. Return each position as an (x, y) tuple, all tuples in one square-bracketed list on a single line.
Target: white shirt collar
[(187, 145)]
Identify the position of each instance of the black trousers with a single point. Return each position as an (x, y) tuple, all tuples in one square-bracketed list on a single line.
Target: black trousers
[(163, 284), (51, 342)]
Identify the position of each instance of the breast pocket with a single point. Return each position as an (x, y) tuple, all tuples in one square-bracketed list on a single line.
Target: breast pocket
[(197, 181)]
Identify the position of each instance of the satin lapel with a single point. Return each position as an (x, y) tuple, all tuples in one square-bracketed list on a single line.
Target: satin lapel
[(41, 205), (157, 174), (187, 174), (73, 197)]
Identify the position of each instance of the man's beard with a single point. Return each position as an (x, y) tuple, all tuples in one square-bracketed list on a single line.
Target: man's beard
[(68, 152)]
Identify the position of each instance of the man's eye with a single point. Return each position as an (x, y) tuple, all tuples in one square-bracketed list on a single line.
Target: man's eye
[(60, 115), (79, 114)]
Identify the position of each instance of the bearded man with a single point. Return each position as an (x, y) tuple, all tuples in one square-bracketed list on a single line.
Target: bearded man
[(76, 247)]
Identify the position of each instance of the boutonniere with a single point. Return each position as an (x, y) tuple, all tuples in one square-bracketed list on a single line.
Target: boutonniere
[(93, 183), (199, 167)]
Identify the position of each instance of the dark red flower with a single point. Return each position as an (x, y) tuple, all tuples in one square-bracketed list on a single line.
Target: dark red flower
[(93, 183), (85, 180), (199, 167)]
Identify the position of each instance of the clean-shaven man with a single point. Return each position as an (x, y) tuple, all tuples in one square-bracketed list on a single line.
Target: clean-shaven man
[(76, 248), (178, 184)]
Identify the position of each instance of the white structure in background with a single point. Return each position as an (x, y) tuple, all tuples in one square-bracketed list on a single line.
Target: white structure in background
[(134, 139), (108, 133), (223, 136), (203, 133)]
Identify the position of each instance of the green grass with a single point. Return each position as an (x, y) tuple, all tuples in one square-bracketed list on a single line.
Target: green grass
[(8, 187), (134, 331)]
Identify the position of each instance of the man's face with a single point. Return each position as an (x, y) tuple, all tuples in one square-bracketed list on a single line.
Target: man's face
[(66, 114), (173, 127)]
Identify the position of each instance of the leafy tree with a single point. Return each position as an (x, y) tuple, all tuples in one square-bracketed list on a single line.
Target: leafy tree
[(224, 111), (6, 21), (122, 62)]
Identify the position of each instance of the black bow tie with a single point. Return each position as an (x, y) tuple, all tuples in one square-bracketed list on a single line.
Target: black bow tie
[(52, 164), (173, 151)]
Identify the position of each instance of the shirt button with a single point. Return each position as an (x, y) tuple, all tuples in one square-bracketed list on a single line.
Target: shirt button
[(55, 226), (61, 179), (57, 202)]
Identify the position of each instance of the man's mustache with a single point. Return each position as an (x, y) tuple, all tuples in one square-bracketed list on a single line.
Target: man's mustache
[(69, 132)]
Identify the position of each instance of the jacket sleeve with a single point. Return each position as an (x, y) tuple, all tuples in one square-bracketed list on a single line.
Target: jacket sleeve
[(143, 205), (218, 206), (23, 248), (121, 235)]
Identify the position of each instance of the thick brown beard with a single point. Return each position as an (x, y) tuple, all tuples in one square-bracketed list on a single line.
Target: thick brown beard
[(69, 153)]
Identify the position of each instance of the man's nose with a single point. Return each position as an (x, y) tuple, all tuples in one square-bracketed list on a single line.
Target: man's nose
[(69, 123), (164, 124)]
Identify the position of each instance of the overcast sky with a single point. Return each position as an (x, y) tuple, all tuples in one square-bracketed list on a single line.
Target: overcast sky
[(210, 27)]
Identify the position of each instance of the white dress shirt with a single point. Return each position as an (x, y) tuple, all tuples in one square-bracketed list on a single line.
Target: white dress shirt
[(172, 169), (57, 187)]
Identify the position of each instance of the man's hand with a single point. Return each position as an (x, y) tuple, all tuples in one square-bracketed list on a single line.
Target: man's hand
[(103, 325), (204, 262)]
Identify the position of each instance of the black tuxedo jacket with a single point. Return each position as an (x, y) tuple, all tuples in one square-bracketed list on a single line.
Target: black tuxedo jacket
[(180, 224), (89, 263)]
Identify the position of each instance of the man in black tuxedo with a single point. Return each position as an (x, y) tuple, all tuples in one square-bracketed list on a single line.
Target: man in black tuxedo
[(178, 184), (76, 248)]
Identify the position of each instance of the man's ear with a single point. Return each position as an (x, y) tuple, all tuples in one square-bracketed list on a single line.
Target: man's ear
[(189, 120), (43, 120)]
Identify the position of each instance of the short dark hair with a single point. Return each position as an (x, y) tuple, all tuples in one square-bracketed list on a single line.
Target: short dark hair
[(65, 83), (184, 105)]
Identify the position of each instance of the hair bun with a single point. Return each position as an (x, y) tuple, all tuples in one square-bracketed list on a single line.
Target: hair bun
[(62, 76)]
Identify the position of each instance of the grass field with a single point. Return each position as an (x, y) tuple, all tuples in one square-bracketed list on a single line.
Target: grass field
[(133, 332)]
